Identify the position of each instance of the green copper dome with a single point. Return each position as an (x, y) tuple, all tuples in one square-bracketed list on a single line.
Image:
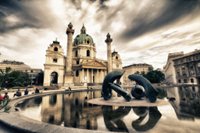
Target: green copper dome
[(83, 38)]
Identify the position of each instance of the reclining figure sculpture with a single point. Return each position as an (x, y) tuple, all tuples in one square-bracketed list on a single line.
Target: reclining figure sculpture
[(142, 89)]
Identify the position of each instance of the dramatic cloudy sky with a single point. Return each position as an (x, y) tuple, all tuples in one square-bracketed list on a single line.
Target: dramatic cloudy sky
[(143, 31)]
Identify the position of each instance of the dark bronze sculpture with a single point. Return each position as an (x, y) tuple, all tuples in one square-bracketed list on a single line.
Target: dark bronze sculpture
[(138, 92), (108, 85), (142, 89), (150, 91)]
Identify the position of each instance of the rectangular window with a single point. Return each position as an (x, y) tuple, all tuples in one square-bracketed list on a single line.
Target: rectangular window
[(55, 60)]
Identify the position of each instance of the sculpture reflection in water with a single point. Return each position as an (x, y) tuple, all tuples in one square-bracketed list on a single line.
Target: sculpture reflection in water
[(154, 116), (143, 87), (113, 118)]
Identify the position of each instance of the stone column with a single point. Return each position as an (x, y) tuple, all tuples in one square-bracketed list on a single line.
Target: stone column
[(80, 76), (69, 32), (97, 76), (101, 76), (88, 76), (109, 56), (92, 74), (83, 76), (69, 72)]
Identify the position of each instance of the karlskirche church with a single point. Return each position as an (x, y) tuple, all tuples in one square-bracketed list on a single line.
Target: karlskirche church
[(80, 66)]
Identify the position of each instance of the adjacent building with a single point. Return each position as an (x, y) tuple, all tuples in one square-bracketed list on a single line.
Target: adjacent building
[(14, 65), (133, 69), (169, 70), (187, 68), (184, 70), (21, 66), (80, 66)]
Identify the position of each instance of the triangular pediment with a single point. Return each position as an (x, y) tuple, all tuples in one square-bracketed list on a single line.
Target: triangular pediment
[(93, 64)]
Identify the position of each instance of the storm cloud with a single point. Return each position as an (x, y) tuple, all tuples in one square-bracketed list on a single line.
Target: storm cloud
[(143, 31), (172, 11), (17, 14)]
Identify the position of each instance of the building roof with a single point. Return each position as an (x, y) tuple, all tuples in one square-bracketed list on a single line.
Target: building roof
[(170, 57), (83, 38), (138, 65), (14, 65), (56, 43), (11, 62), (114, 53), (196, 51)]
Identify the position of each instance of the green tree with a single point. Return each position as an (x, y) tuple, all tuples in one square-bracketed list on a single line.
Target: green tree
[(18, 78), (155, 76), (9, 78), (4, 76), (39, 78)]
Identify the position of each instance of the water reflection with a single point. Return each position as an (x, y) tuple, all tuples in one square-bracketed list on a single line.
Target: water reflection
[(35, 102), (51, 109), (153, 115), (72, 110), (187, 102), (113, 118)]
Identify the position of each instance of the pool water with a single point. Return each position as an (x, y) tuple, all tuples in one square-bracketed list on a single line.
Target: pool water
[(72, 110)]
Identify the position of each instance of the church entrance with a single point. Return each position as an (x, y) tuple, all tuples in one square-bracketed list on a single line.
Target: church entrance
[(54, 78)]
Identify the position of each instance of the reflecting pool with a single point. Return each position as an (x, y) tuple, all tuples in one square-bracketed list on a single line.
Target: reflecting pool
[(72, 110)]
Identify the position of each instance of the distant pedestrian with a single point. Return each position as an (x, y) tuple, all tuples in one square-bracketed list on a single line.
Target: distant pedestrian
[(6, 96), (1, 101), (26, 91), (37, 90), (1, 97), (18, 93)]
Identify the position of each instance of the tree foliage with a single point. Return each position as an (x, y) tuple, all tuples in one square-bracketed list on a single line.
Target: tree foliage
[(9, 78), (155, 76), (39, 78)]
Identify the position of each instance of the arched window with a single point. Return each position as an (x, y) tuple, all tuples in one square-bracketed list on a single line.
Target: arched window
[(192, 80), (76, 53), (54, 78), (88, 53), (53, 99), (116, 57), (77, 62), (55, 49)]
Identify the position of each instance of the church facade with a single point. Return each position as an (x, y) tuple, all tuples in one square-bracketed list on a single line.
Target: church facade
[(80, 66)]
